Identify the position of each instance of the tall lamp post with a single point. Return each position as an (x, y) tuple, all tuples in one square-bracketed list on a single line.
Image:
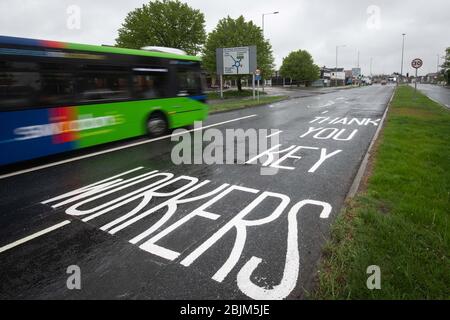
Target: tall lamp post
[(371, 62), (266, 14), (403, 52), (335, 71), (437, 68), (263, 15)]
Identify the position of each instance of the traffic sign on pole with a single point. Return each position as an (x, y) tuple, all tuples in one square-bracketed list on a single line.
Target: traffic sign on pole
[(416, 64)]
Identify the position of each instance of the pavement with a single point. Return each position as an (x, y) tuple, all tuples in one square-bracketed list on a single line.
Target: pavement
[(437, 93), (137, 226)]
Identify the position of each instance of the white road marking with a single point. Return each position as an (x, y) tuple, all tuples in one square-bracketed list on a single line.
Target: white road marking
[(274, 134), (325, 112), (328, 104), (33, 236), (101, 184), (117, 148), (274, 105), (438, 102)]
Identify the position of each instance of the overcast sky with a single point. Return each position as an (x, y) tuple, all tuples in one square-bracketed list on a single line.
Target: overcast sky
[(373, 27)]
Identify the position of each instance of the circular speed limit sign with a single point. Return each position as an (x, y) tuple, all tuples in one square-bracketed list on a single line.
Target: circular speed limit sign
[(417, 63)]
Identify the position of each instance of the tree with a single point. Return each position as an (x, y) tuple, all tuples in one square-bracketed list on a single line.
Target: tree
[(238, 33), (299, 66), (166, 23)]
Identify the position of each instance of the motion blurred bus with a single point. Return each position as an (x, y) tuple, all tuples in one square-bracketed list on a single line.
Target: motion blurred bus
[(57, 96)]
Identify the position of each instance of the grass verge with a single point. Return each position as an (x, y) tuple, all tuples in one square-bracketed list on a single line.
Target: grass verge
[(243, 103), (400, 221)]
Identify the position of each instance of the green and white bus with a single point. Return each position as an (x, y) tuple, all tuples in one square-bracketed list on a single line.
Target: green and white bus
[(57, 96)]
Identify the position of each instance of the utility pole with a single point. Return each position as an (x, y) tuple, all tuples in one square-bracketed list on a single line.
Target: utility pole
[(335, 71), (437, 69), (266, 14), (403, 51), (357, 65), (371, 60)]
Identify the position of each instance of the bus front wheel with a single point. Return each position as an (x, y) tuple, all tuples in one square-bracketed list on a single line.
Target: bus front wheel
[(157, 125)]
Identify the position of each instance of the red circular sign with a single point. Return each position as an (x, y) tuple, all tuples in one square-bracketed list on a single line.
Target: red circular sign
[(417, 63)]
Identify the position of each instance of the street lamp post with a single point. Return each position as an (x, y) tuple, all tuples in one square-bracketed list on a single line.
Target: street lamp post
[(371, 61), (266, 14), (357, 63), (403, 51), (437, 68), (335, 71)]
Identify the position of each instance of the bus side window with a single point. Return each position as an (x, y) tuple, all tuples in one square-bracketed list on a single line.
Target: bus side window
[(189, 82), (56, 88), (150, 84), (18, 89), (97, 85)]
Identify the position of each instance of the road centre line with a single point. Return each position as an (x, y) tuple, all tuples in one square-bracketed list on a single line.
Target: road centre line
[(118, 148), (33, 236)]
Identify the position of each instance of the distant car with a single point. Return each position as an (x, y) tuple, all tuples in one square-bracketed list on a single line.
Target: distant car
[(383, 82), (367, 81)]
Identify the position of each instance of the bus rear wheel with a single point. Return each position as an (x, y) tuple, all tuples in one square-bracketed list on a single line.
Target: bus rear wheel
[(157, 125)]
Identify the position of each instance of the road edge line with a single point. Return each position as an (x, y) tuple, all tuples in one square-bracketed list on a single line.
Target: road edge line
[(33, 236), (363, 166), (445, 106)]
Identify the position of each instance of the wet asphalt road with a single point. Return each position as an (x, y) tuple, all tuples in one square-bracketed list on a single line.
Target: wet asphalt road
[(236, 246), (437, 93), (300, 92)]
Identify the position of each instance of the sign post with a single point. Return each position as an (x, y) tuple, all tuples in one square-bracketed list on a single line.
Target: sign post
[(416, 64), (221, 86), (253, 86), (258, 78), (258, 90)]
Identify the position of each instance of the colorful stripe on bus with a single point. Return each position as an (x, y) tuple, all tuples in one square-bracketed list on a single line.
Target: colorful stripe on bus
[(34, 133)]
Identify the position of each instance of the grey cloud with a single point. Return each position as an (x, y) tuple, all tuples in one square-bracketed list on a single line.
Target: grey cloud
[(317, 26)]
